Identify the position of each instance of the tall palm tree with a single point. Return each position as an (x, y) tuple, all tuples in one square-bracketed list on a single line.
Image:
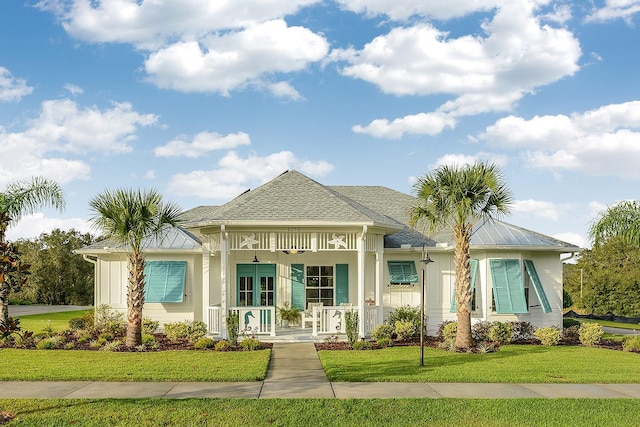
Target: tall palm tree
[(459, 197), (17, 200), (621, 221), (129, 217)]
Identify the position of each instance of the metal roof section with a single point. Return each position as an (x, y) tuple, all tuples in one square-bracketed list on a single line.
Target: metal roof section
[(174, 238), (290, 198)]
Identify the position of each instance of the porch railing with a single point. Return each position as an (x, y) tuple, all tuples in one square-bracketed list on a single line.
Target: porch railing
[(213, 317), (257, 320), (330, 319)]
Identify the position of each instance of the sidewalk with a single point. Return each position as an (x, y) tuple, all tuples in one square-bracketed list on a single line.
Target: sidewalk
[(295, 372)]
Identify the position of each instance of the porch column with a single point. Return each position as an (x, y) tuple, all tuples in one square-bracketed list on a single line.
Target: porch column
[(379, 279), (224, 280), (361, 295), (206, 283)]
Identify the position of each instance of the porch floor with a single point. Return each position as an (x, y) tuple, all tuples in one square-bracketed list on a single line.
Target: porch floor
[(296, 334)]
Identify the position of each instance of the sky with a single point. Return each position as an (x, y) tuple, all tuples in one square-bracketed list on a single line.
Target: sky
[(204, 99)]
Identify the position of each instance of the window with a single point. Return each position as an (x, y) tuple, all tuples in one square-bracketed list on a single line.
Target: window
[(509, 295), (402, 272), (319, 284), (473, 264), (537, 286), (165, 281)]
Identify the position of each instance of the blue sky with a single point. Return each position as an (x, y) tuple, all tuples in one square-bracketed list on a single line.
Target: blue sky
[(203, 100)]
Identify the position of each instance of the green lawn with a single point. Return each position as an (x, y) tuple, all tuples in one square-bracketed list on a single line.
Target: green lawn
[(621, 325), (323, 412), (185, 365), (512, 364), (58, 321)]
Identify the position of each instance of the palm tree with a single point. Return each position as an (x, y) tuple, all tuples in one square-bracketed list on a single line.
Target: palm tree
[(129, 217), (458, 198), (17, 200), (621, 221)]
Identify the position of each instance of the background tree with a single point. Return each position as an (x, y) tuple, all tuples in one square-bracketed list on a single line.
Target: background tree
[(58, 276), (621, 221), (17, 200), (129, 217), (458, 198)]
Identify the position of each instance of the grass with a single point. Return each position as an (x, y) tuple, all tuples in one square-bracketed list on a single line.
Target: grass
[(323, 412), (610, 324), (36, 323), (87, 365), (512, 364)]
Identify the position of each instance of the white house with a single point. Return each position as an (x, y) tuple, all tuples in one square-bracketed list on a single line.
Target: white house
[(347, 247)]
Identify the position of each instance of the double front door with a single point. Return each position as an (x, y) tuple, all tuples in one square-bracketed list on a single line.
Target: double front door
[(256, 285)]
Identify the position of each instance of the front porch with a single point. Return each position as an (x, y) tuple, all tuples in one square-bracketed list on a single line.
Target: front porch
[(261, 321)]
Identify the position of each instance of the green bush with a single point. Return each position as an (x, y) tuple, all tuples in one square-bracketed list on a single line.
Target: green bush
[(406, 314), (362, 345), (568, 322), (191, 330), (351, 326), (480, 331), (149, 326), (404, 330), (631, 344), (110, 321), (501, 333), (522, 331), (205, 342), (112, 346), (222, 345), (250, 344), (548, 336), (440, 333), (590, 334), (149, 340), (383, 330), (571, 334), (50, 343), (77, 323), (384, 342), (449, 332), (233, 326)]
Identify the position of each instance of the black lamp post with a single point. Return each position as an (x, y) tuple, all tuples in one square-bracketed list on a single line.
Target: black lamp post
[(425, 261)]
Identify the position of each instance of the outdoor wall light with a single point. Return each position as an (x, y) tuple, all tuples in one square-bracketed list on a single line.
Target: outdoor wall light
[(294, 251)]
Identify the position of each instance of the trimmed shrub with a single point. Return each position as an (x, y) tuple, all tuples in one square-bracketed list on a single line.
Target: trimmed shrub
[(362, 345), (191, 330), (222, 345), (77, 323), (250, 344), (449, 332), (383, 330), (50, 343), (149, 340), (522, 331), (501, 333), (440, 334), (590, 334), (407, 314), (571, 334), (480, 331), (112, 346), (568, 322), (233, 327), (384, 342), (548, 336), (149, 326), (205, 342), (631, 344), (351, 326), (405, 330), (110, 321)]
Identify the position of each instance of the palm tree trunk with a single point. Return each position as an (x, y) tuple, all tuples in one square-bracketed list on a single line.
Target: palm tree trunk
[(135, 299), (463, 285)]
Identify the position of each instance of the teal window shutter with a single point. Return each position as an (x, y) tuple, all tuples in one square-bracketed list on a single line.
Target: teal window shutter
[(165, 281), (342, 283), (297, 286), (508, 287), (537, 285), (473, 264), (402, 272)]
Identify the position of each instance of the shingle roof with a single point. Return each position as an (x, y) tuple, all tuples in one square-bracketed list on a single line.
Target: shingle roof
[(290, 197)]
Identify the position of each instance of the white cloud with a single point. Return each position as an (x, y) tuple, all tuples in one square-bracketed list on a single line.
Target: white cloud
[(418, 124), (467, 159), (221, 63), (234, 174), (63, 127), (73, 89), (603, 141), (285, 90), (151, 23), (33, 225), (511, 56), (11, 88), (614, 9), (537, 208), (574, 238), (202, 143), (150, 174), (404, 9)]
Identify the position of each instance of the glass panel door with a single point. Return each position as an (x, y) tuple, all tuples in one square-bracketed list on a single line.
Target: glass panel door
[(256, 285)]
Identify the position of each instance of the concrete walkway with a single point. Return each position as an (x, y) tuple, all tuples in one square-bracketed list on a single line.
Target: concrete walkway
[(295, 372)]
